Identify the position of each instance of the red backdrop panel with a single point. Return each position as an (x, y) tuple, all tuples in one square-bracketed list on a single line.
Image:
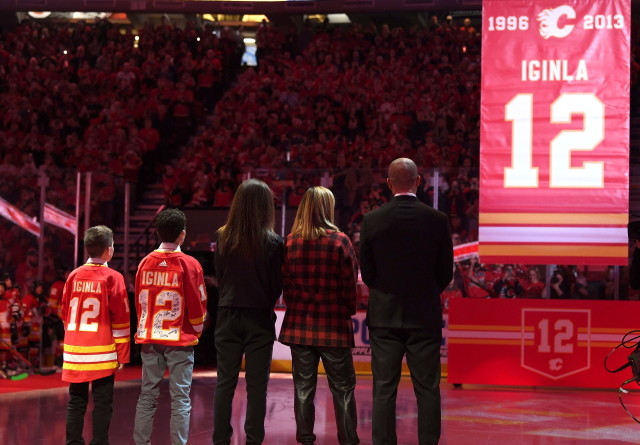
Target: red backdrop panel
[(538, 342)]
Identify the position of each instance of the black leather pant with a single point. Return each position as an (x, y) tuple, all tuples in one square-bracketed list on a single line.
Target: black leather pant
[(338, 363)]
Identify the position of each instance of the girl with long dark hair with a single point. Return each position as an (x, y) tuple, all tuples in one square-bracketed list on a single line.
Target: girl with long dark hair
[(248, 262)]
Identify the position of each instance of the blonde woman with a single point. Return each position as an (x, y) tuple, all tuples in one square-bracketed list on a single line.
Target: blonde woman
[(319, 286)]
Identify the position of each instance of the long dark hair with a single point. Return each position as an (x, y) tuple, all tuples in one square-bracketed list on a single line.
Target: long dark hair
[(250, 221)]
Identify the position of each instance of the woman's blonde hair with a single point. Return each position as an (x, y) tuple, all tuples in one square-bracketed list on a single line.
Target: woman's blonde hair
[(315, 214)]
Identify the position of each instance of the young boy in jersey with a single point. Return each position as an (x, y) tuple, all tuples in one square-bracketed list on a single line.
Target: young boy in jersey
[(95, 311), (171, 304)]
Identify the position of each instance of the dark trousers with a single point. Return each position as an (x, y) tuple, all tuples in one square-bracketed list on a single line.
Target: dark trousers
[(102, 393), (250, 332), (422, 348), (338, 363)]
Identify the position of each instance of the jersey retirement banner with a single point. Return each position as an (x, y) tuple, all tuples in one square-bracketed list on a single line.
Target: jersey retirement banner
[(555, 132)]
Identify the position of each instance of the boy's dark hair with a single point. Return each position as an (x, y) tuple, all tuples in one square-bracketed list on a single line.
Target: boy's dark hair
[(97, 239), (169, 224)]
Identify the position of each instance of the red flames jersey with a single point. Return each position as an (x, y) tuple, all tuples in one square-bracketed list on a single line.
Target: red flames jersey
[(95, 311), (5, 324), (55, 296), (170, 299), (32, 315)]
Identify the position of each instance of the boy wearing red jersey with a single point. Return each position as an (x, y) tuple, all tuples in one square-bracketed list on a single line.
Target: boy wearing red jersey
[(171, 304), (95, 312)]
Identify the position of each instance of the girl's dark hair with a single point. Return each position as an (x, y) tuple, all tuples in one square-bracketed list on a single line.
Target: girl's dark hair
[(250, 221)]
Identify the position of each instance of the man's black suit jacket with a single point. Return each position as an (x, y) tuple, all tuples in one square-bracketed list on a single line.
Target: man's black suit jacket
[(406, 259)]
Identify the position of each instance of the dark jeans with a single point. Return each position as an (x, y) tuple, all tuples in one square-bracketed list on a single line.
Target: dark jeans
[(102, 393), (338, 363), (422, 347), (250, 332)]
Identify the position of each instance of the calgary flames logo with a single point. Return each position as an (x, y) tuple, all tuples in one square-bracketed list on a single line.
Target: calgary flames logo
[(555, 364), (549, 22)]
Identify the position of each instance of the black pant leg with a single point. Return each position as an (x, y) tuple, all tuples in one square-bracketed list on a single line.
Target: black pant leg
[(260, 333), (304, 361), (229, 345), (423, 359), (76, 408), (387, 350), (102, 393), (338, 363)]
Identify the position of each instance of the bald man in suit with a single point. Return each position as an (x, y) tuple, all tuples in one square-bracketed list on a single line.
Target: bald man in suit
[(406, 259)]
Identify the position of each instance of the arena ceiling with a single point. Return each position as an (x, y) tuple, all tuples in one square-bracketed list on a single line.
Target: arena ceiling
[(241, 7)]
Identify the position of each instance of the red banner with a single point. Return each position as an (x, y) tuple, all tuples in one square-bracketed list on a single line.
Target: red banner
[(57, 217), (555, 132), (539, 342), (463, 252), (17, 216)]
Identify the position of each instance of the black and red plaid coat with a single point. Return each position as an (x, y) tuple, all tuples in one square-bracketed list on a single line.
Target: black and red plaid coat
[(319, 287)]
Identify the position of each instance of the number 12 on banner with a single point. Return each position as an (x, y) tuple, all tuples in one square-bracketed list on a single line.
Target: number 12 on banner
[(522, 173)]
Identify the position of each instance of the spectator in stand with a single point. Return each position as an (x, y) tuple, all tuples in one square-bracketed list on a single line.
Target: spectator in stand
[(126, 78), (34, 305), (5, 327), (53, 329), (477, 285), (11, 292), (581, 288), (560, 284), (508, 286), (533, 287), (607, 288)]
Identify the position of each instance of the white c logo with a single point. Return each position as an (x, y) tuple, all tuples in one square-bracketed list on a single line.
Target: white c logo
[(549, 19), (555, 364)]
